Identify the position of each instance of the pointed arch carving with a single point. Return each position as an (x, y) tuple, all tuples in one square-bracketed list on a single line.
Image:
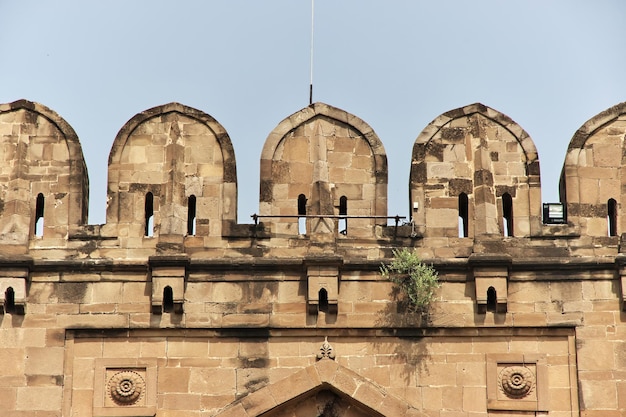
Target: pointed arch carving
[(324, 153), (501, 119), (592, 126), (174, 152), (592, 174), (477, 151), (40, 154), (323, 375), (321, 109)]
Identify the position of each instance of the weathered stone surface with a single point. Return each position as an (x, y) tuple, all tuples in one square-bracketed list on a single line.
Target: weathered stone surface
[(235, 334)]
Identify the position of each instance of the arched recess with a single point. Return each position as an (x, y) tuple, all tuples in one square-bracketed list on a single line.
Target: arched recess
[(39, 154), (593, 171), (484, 154), (174, 152), (324, 153), (325, 375)]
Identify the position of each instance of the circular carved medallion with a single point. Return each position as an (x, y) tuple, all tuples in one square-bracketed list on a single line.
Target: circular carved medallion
[(516, 381), (126, 387)]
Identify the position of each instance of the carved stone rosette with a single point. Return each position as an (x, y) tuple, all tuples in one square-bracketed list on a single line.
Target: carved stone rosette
[(516, 381), (126, 387)]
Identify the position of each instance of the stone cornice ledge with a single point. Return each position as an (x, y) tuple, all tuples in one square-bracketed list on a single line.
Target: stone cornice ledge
[(199, 265)]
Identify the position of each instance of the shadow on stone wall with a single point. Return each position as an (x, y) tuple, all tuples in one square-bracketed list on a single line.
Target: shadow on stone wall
[(410, 348)]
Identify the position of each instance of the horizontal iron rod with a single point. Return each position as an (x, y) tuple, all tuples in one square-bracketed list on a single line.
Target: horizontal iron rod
[(321, 216)]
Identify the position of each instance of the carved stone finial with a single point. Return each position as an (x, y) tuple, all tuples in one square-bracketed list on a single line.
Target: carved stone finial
[(326, 351)]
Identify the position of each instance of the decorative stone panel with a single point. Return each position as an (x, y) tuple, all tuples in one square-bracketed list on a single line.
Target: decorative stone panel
[(125, 387), (326, 351), (517, 382)]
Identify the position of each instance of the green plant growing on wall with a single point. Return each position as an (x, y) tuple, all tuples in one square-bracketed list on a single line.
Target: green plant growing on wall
[(415, 280)]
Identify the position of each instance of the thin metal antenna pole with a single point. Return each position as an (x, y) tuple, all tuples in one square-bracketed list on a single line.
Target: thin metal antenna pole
[(312, 26)]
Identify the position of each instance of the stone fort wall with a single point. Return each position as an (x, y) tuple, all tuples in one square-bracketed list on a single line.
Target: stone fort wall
[(173, 308)]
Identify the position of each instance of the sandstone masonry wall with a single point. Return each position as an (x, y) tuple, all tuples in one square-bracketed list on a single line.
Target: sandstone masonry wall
[(173, 308)]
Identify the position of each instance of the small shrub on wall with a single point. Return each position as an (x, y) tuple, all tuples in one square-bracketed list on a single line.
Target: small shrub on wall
[(415, 281)]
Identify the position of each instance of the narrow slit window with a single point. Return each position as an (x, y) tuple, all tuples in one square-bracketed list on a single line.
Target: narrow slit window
[(323, 299), (612, 217), (343, 211), (302, 212), (191, 215), (149, 215), (507, 214), (492, 299), (168, 299), (463, 215), (39, 220), (9, 300)]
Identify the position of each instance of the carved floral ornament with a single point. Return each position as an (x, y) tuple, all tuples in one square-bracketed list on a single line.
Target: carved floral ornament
[(326, 351), (516, 381), (126, 387)]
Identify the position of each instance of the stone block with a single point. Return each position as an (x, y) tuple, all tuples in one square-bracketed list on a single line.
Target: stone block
[(179, 401), (172, 380), (120, 348), (227, 348), (595, 355), (186, 348), (245, 320), (599, 395), (237, 410), (226, 292), (44, 361), (369, 396), (432, 398), (470, 374), (33, 399), (299, 382), (218, 381)]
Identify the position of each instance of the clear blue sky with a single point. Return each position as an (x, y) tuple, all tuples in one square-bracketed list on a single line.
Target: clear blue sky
[(549, 65)]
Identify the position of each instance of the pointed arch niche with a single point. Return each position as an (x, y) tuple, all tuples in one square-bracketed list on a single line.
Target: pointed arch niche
[(475, 154), (41, 160), (593, 180), (323, 153), (185, 158)]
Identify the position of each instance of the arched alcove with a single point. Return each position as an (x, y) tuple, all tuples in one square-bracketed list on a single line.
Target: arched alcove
[(593, 172), (40, 154), (175, 152), (478, 153), (324, 153)]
